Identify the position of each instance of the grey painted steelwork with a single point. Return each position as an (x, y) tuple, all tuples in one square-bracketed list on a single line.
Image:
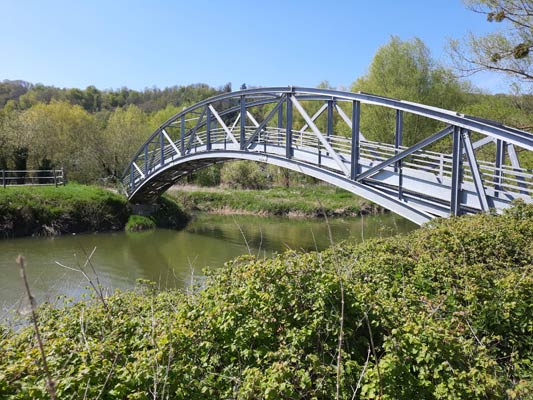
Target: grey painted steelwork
[(277, 126)]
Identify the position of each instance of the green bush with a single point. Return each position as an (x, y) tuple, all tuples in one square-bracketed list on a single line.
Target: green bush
[(243, 175), (209, 176), (139, 223), (442, 313)]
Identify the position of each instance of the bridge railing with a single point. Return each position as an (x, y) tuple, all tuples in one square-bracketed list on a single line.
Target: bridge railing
[(230, 123), (500, 180)]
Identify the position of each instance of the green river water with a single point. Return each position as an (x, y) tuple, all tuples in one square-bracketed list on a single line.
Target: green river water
[(169, 258)]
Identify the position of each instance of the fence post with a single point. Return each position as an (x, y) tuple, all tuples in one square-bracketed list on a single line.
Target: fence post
[(4, 177), (55, 177)]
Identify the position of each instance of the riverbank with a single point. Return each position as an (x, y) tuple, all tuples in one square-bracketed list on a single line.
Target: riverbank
[(303, 201), (73, 208), (443, 312)]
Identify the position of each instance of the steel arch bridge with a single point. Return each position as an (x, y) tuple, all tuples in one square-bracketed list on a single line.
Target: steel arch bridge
[(415, 182)]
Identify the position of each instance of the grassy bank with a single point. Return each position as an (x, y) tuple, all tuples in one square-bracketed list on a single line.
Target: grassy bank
[(312, 200), (441, 313), (48, 210)]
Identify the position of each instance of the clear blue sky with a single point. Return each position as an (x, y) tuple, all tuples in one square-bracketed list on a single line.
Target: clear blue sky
[(138, 44)]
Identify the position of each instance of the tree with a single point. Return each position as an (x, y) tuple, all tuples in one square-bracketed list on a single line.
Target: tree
[(126, 130), (507, 51), (405, 70), (58, 134)]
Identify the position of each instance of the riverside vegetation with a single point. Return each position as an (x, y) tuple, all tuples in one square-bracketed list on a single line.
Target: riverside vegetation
[(74, 208), (441, 313), (46, 211), (310, 201)]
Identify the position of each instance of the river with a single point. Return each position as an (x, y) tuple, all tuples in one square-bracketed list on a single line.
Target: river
[(169, 258)]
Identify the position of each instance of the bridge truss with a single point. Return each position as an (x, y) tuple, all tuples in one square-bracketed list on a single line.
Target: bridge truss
[(275, 126)]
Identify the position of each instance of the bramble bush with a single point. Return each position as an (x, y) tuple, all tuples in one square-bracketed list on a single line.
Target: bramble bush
[(441, 313)]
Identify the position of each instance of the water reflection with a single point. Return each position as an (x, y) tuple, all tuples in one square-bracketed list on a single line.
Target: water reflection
[(167, 257)]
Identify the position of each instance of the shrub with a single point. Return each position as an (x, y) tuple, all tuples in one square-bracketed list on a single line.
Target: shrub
[(139, 223), (243, 175), (442, 313)]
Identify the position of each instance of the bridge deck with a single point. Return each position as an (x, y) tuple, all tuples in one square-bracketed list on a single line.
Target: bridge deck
[(413, 181)]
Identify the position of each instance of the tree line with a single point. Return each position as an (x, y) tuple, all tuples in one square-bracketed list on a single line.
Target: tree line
[(93, 133)]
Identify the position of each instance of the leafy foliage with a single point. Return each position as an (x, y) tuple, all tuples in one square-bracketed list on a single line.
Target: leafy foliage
[(405, 70), (139, 223), (243, 175), (508, 50), (443, 313)]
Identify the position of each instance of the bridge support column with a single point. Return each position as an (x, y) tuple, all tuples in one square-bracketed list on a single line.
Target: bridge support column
[(288, 128), (162, 146), (457, 170), (208, 127), (146, 166), (242, 139), (329, 131), (182, 135), (356, 121), (280, 123), (397, 143), (500, 160), (132, 177)]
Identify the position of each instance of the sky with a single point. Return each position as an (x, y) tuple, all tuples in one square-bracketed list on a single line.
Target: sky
[(138, 44)]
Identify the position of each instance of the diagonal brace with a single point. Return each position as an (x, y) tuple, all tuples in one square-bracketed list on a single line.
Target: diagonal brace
[(315, 116), (139, 170), (347, 120), (254, 121), (515, 162), (474, 168), (265, 122), (319, 135), (192, 132), (423, 143), (172, 144), (222, 124)]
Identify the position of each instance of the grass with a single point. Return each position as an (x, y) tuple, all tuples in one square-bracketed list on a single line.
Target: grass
[(315, 201), (73, 208), (47, 210)]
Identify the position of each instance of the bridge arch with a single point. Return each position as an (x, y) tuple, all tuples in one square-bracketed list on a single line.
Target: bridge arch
[(415, 182)]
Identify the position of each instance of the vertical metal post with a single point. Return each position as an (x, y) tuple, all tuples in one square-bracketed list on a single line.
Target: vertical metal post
[(457, 169), (243, 122), (398, 133), (329, 131), (500, 160), (398, 136), (162, 145), (4, 177), (63, 176), (280, 123), (208, 127), (132, 177), (182, 135), (146, 159), (288, 127), (356, 121), (55, 177)]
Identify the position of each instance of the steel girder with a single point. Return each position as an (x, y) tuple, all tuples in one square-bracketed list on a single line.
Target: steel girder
[(258, 124)]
